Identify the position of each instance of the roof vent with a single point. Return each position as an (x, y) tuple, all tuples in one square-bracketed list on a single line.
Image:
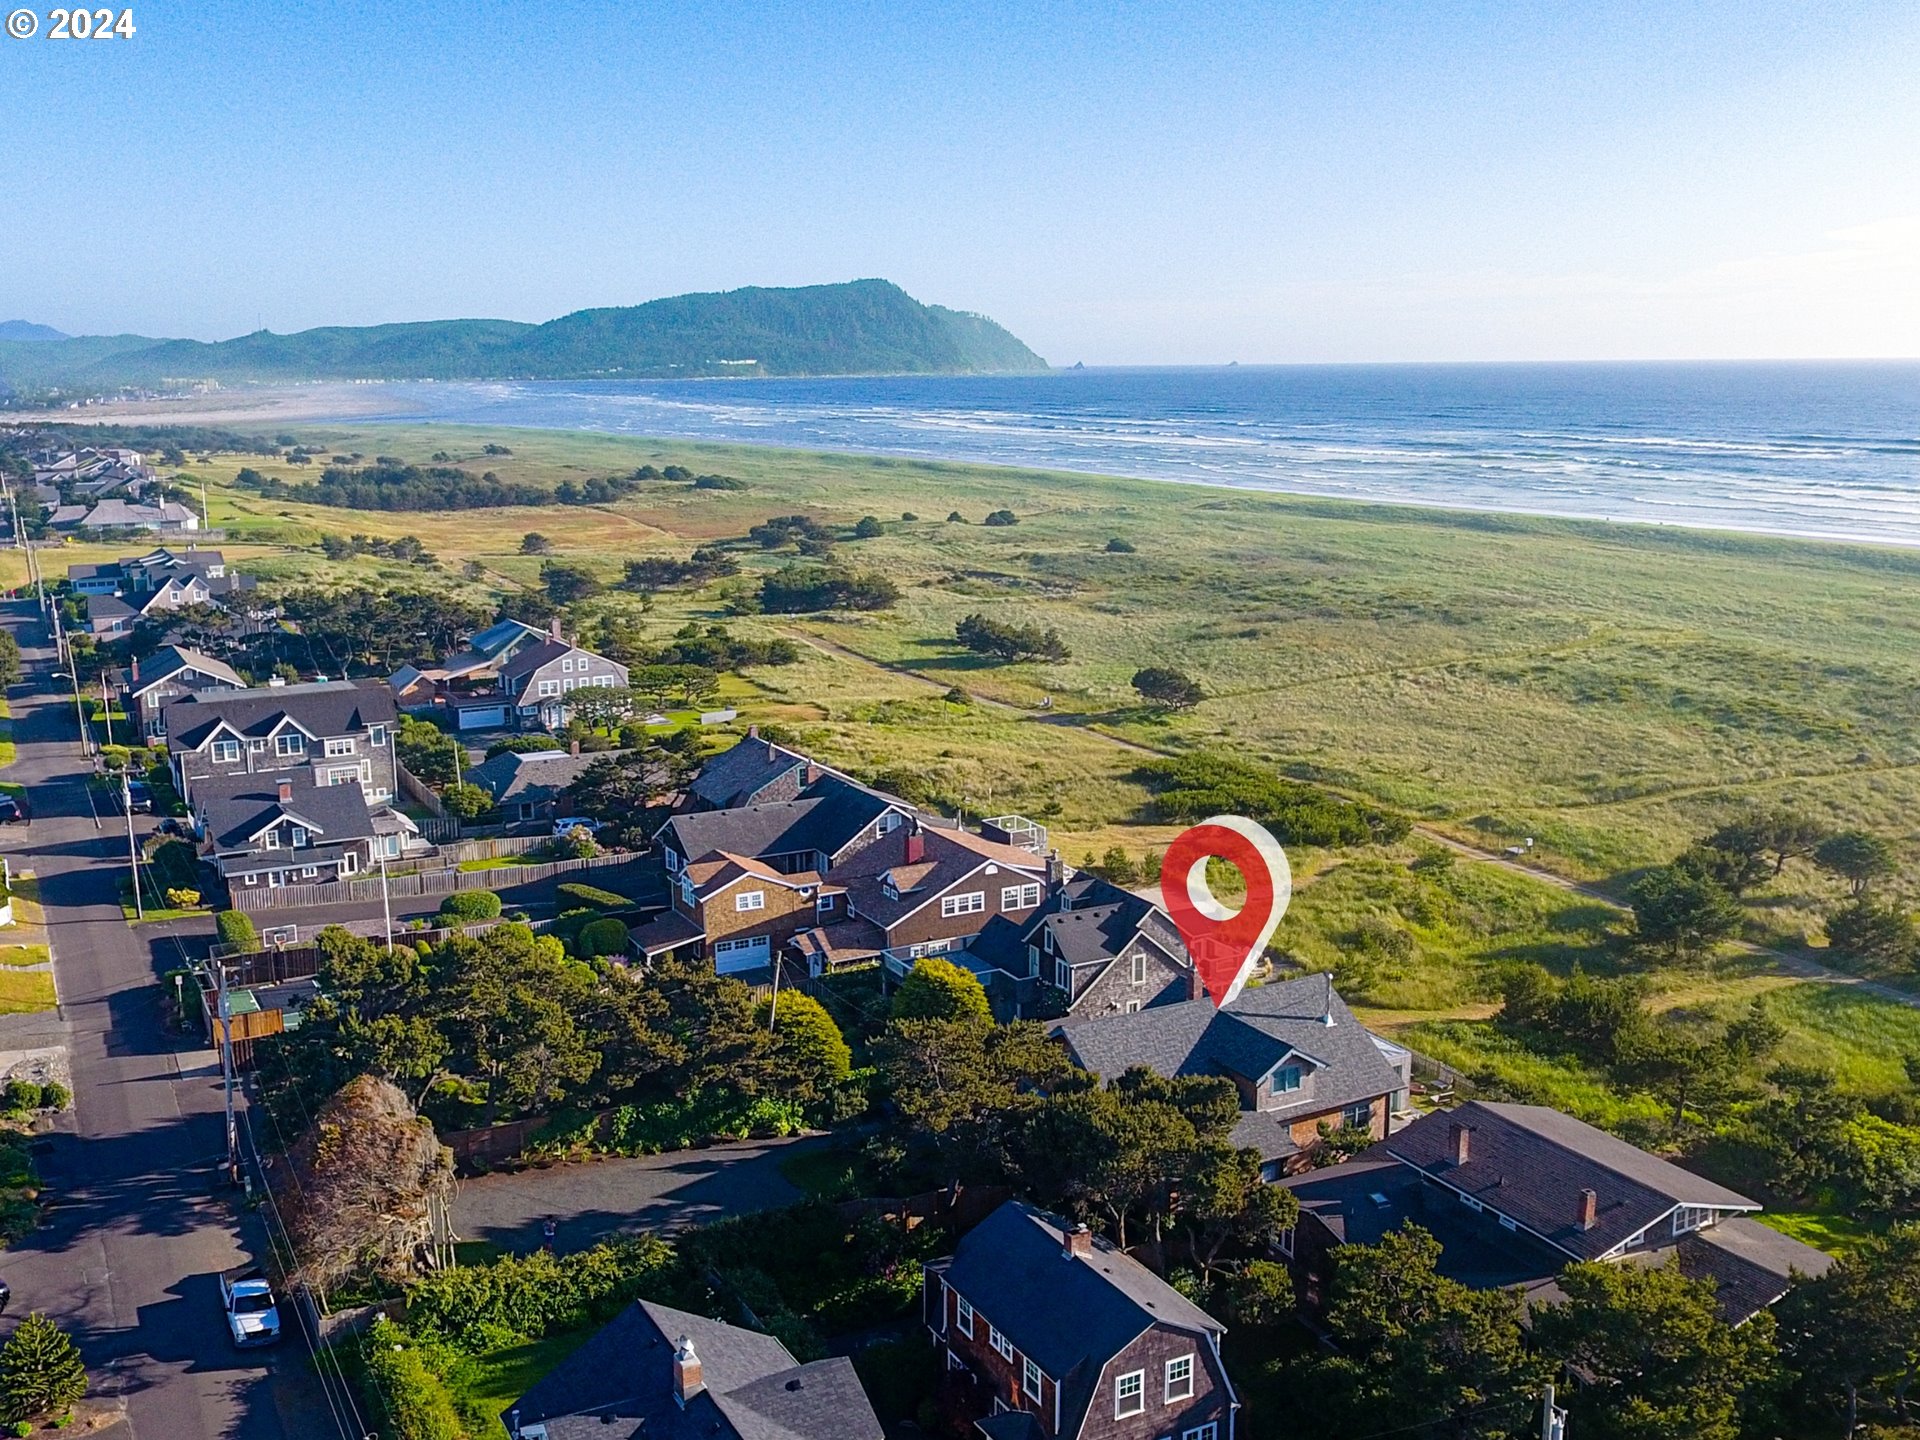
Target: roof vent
[(793, 1385)]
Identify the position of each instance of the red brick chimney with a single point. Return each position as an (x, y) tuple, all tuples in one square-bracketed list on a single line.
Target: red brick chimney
[(1589, 1209), (686, 1372), (1462, 1137), (813, 774), (916, 845), (286, 791), (1077, 1243)]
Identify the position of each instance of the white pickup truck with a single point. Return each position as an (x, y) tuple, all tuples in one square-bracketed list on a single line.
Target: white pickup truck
[(253, 1317)]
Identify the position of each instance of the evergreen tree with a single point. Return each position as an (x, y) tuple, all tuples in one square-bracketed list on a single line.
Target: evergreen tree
[(40, 1370)]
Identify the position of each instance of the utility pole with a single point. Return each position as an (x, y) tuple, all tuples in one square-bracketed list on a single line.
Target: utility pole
[(773, 1005), (133, 846), (226, 1069), (106, 708), (386, 902), (1553, 1422)]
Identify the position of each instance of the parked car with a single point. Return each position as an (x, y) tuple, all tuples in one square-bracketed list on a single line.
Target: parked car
[(137, 796), (576, 822), (14, 811), (253, 1315)]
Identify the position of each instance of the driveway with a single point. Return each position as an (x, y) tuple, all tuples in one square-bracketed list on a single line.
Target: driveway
[(658, 1193)]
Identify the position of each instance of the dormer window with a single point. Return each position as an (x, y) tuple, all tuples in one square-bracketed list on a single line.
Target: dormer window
[(298, 836), (290, 743), (225, 752), (1286, 1079)]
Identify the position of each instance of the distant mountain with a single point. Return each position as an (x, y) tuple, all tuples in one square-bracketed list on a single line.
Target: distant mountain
[(27, 330), (866, 327)]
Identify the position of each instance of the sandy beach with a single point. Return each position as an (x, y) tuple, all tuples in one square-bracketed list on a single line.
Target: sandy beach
[(241, 406)]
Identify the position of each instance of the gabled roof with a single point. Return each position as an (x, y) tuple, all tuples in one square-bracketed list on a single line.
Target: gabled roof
[(949, 856), (619, 1386), (1265, 1025), (500, 635), (1530, 1163), (331, 707), (108, 607), (825, 821), (531, 776), (170, 660), (716, 870), (736, 775), (237, 808), (1069, 1314)]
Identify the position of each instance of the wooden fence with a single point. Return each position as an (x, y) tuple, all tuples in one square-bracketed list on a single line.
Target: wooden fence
[(367, 889)]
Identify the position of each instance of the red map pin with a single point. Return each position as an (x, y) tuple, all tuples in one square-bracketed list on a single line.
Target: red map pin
[(1225, 943)]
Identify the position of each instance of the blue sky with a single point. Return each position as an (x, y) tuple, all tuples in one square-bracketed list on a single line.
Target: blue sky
[(1123, 184)]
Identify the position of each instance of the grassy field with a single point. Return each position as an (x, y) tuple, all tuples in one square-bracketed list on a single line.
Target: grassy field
[(24, 991), (1611, 691)]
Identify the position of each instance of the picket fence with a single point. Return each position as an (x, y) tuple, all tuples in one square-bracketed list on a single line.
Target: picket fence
[(367, 888)]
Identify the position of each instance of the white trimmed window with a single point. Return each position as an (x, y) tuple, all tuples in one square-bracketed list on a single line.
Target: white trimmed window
[(1286, 1242), (1139, 974), (549, 687), (291, 743), (1002, 1346), (1063, 975), (672, 859), (566, 665), (971, 903), (1030, 1378), (1019, 897), (1129, 1394), (299, 836), (1180, 1379), (225, 752), (309, 872), (1358, 1116), (750, 900), (963, 1316), (603, 682), (340, 747), (272, 838), (377, 736), (1208, 1431), (1691, 1217), (349, 862)]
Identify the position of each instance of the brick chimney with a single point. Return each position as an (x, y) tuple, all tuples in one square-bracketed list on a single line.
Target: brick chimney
[(916, 844), (1077, 1244), (1196, 987), (813, 774), (1462, 1138), (1056, 870), (686, 1372), (1589, 1209), (286, 791), (553, 628), (753, 732)]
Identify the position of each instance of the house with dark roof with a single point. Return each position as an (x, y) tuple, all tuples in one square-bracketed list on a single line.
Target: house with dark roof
[(170, 674), (533, 784), (655, 1373), (833, 818), (467, 684), (736, 912), (341, 730), (148, 573), (534, 682), (1091, 949), (756, 772), (1293, 1050), (1050, 1332), (275, 830), (117, 514), (1515, 1193)]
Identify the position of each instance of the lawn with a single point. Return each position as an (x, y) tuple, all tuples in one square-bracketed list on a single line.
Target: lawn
[(25, 991), (23, 956), (1824, 1230), (487, 1384)]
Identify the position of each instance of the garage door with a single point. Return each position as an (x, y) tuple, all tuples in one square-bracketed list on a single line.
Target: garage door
[(483, 719), (732, 955)]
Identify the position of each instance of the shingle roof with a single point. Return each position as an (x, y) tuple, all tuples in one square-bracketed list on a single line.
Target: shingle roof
[(717, 870), (666, 931), (1751, 1265), (240, 806), (1530, 1163), (825, 821), (108, 607), (734, 776), (534, 775), (333, 707), (1070, 1314), (172, 659), (501, 634), (948, 857), (1264, 1025), (619, 1386)]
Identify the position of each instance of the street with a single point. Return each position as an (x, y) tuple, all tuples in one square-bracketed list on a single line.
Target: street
[(137, 1226)]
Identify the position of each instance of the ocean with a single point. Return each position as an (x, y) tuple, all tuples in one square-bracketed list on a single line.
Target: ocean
[(1827, 450)]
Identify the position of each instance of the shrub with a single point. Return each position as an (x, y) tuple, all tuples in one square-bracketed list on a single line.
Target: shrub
[(575, 894), (415, 1401), (869, 528), (1205, 783), (938, 989), (908, 516), (577, 844), (1002, 518), (464, 801), (1173, 689), (1117, 546), (235, 928), (535, 1295), (23, 1095), (467, 907), (55, 1096), (605, 936), (954, 517), (183, 899)]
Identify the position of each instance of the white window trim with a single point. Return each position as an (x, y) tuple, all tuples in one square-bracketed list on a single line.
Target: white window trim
[(1285, 1242), (1185, 1381), (1138, 971), (340, 746), (225, 752), (973, 902), (549, 687), (1031, 1378), (750, 900), (1208, 1431), (963, 1316), (999, 1343), (377, 736), (1137, 1393), (289, 744)]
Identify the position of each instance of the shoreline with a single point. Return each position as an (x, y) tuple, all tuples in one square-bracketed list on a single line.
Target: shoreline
[(373, 403)]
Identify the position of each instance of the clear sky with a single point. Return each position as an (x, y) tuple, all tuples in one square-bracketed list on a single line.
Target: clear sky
[(1116, 183)]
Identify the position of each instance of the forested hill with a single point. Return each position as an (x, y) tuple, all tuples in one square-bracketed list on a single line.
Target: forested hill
[(866, 327)]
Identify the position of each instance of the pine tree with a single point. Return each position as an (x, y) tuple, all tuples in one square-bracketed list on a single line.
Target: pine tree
[(40, 1370)]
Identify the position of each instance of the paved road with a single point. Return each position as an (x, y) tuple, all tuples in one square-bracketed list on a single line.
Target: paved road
[(605, 1197), (139, 1227)]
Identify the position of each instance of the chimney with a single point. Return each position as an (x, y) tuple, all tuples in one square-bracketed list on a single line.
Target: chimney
[(686, 1373), (753, 732), (1462, 1137), (813, 774), (553, 628), (1078, 1243), (1326, 1014), (573, 747), (1056, 870), (1589, 1209), (1196, 987), (916, 844), (286, 791)]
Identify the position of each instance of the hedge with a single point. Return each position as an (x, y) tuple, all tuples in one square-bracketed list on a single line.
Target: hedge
[(235, 928), (605, 936), (469, 906), (479, 1306), (573, 893)]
